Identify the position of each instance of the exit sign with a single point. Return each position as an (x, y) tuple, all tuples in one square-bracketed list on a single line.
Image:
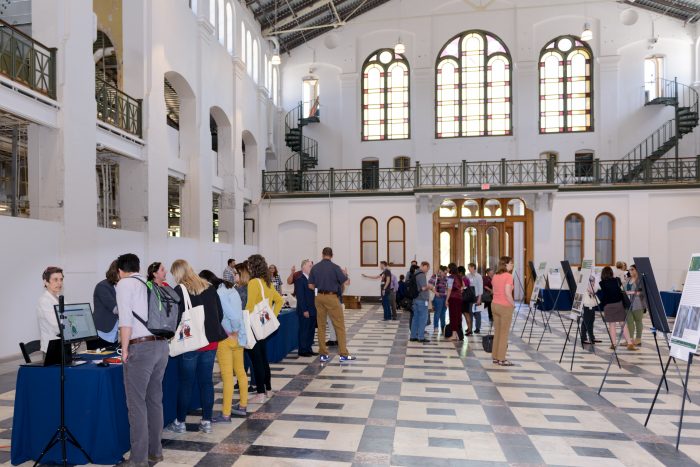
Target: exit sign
[(485, 186)]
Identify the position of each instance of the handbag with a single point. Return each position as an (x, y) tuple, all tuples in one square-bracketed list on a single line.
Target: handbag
[(263, 321), (189, 335), (487, 341), (468, 294), (487, 297), (250, 338)]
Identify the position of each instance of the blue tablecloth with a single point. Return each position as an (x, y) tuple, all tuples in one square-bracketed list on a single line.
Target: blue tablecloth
[(95, 413), (286, 338), (671, 301), (563, 299), (96, 404)]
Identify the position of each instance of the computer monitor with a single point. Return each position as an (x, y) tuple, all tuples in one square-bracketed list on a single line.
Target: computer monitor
[(78, 323)]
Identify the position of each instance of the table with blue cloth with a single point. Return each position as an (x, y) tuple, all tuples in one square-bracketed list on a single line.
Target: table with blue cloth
[(96, 410), (561, 297), (671, 301)]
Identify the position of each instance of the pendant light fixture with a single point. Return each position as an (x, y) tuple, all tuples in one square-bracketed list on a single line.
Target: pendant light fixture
[(276, 60), (587, 33), (400, 47)]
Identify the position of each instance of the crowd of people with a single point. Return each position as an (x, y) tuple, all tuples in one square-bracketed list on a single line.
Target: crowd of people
[(121, 316), (121, 309)]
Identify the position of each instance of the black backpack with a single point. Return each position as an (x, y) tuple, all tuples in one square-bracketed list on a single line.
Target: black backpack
[(412, 287), (163, 310)]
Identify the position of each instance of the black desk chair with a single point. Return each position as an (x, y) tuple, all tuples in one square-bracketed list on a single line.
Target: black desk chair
[(29, 348)]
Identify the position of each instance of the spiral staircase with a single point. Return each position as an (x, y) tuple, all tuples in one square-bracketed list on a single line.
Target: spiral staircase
[(304, 149), (684, 100)]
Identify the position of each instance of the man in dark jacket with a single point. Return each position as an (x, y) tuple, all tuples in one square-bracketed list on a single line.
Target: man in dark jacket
[(306, 309)]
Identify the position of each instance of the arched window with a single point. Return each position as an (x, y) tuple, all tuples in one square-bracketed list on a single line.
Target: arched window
[(473, 87), (402, 163), (492, 207), (516, 207), (385, 93), (573, 239), (256, 65), (604, 239), (249, 52), (396, 241), (222, 24), (448, 209), (566, 87), (229, 28), (369, 242), (470, 208)]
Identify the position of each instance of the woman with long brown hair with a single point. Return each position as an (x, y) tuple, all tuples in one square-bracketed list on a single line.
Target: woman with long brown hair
[(502, 308), (260, 282), (611, 300), (199, 364)]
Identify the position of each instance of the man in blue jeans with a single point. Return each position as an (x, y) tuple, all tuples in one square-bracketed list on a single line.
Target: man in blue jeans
[(420, 304), (385, 288)]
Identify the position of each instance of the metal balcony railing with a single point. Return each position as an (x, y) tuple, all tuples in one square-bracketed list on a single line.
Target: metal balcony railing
[(27, 61), (118, 108), (503, 174)]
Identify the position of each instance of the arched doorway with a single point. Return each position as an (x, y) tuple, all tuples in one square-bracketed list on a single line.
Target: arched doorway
[(482, 230)]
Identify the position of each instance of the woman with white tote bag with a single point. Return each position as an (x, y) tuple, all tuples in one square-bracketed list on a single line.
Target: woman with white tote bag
[(197, 298), (260, 286)]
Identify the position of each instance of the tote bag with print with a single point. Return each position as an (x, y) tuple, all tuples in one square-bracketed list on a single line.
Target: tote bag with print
[(263, 320), (189, 335), (250, 338)]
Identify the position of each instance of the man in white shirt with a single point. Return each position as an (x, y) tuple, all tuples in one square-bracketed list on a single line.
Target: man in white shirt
[(145, 357), (476, 281)]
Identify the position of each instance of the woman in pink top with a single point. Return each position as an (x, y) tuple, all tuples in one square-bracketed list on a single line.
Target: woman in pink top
[(502, 307)]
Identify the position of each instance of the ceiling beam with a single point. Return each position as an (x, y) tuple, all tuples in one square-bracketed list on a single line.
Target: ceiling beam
[(290, 19)]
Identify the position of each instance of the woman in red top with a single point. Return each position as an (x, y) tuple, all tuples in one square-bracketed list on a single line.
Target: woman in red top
[(502, 308), (454, 301)]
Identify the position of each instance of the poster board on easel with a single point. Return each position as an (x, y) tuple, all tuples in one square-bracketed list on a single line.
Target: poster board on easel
[(540, 283), (686, 328), (585, 279)]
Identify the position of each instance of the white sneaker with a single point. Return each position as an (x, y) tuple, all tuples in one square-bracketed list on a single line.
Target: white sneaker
[(205, 426), (259, 398), (176, 427)]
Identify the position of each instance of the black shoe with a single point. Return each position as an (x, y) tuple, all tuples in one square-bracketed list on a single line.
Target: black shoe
[(334, 343), (305, 354), (331, 343), (413, 339), (585, 342), (313, 354), (424, 340), (597, 341), (478, 331)]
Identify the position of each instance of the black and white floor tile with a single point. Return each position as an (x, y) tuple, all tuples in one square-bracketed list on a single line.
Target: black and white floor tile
[(445, 404)]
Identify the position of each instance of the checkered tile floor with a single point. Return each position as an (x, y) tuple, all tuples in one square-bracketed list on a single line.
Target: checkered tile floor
[(445, 404)]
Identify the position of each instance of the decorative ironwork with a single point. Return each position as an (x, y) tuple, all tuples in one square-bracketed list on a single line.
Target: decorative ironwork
[(117, 108), (503, 174), (27, 61)]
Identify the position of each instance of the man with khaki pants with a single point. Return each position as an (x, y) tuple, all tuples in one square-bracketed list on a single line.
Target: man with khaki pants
[(327, 280)]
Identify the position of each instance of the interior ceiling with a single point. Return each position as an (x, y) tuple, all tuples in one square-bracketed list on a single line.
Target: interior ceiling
[(305, 19), (684, 10)]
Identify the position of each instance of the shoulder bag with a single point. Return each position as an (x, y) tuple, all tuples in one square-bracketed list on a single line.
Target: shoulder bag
[(250, 337), (189, 335), (263, 320)]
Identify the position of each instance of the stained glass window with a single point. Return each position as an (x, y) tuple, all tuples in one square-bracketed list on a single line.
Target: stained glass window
[(473, 87), (385, 94), (566, 89)]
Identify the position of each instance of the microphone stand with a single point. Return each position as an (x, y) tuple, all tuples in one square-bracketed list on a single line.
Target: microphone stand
[(63, 434)]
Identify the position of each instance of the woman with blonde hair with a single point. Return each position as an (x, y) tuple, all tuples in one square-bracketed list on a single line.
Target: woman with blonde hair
[(199, 364), (260, 282), (502, 308)]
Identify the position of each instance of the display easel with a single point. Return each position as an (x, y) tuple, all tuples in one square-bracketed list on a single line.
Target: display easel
[(578, 331), (517, 313), (571, 283), (628, 310), (685, 394)]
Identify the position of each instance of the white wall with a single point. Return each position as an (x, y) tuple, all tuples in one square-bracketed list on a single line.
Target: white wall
[(62, 160), (620, 120)]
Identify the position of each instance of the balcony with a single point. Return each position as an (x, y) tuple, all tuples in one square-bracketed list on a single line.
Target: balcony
[(117, 108), (27, 61), (494, 175)]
